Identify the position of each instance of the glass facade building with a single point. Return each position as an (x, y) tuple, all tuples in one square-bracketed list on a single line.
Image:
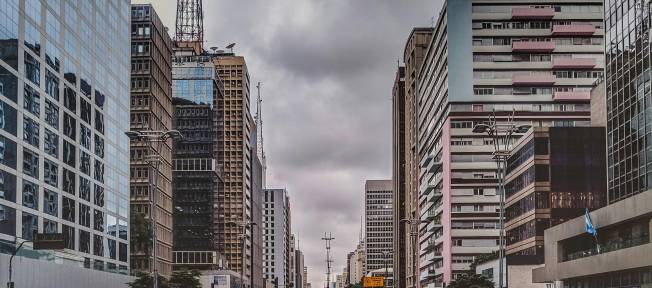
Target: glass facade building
[(64, 107)]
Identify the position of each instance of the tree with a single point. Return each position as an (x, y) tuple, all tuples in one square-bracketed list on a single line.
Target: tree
[(144, 280), (471, 281), (141, 231), (185, 279)]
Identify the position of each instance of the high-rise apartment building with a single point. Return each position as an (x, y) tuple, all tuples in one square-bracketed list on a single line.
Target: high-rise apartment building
[(151, 110), (398, 173), (414, 53), (234, 151), (64, 108), (535, 61), (572, 256), (276, 237), (378, 224), (357, 264)]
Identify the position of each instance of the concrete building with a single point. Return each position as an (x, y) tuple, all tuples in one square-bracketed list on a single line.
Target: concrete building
[(339, 281), (553, 174), (151, 110), (276, 231), (64, 108), (357, 264), (235, 195), (398, 173), (572, 256), (413, 55), (378, 224), (535, 60), (300, 269), (257, 194)]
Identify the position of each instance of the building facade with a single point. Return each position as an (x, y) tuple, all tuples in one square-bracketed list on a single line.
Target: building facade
[(64, 108), (378, 224), (257, 194), (276, 237), (398, 173), (413, 55), (357, 264), (151, 110), (532, 61), (234, 151), (623, 226), (552, 176)]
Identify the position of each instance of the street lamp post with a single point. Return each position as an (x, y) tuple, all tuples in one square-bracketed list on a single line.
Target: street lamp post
[(150, 137), (10, 284), (502, 134), (385, 280), (414, 234)]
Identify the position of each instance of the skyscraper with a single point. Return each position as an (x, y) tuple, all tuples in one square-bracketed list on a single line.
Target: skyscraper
[(398, 175), (378, 224), (413, 55), (234, 151), (151, 110), (535, 60), (276, 217), (573, 256), (64, 108)]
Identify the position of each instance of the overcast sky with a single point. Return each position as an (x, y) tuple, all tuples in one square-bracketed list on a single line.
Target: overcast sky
[(327, 68)]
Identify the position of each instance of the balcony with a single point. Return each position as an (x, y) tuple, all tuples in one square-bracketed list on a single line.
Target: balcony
[(533, 13), (570, 63), (533, 46), (571, 96), (573, 30), (534, 80)]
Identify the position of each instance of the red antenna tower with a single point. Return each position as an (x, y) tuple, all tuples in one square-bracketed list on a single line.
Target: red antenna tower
[(189, 22)]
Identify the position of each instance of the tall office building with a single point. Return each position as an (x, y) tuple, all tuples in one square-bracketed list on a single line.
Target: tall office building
[(398, 174), (234, 151), (276, 218), (414, 53), (151, 110), (623, 226), (257, 194), (535, 60), (378, 224), (64, 108), (300, 269)]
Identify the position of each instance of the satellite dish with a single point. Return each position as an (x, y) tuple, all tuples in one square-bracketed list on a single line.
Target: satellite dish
[(230, 46), (213, 48)]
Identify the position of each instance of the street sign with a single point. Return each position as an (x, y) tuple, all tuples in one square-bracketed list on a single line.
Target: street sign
[(49, 241), (374, 282)]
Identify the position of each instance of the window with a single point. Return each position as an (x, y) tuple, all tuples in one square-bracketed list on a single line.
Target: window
[(50, 173), (50, 202), (84, 215), (99, 146), (30, 226), (52, 84), (30, 163), (30, 195), (51, 143), (70, 99), (478, 191), (112, 248), (32, 69), (50, 227), (52, 55), (98, 220), (32, 101), (8, 118), (69, 153), (68, 209), (99, 196), (69, 126), (84, 241), (7, 186), (85, 136), (123, 252), (68, 181), (84, 189), (85, 108), (99, 122), (68, 236), (8, 154), (30, 131), (98, 245), (84, 162), (52, 114)]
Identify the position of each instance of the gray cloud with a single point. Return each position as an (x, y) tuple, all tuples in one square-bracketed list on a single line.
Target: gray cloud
[(327, 68)]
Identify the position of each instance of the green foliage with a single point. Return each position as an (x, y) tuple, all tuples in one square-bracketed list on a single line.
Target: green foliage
[(144, 280), (185, 279), (483, 258), (471, 281)]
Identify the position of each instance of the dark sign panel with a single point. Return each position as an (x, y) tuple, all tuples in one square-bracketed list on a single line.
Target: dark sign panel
[(50, 241)]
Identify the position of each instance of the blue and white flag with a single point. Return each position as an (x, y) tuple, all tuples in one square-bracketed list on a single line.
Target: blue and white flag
[(588, 224)]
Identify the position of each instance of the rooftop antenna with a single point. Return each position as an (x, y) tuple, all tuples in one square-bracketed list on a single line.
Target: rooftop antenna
[(328, 238), (189, 21), (260, 150)]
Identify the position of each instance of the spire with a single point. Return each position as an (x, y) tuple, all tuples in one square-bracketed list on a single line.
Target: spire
[(260, 150)]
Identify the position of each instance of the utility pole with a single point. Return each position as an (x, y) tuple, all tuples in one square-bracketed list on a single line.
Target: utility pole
[(328, 238)]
